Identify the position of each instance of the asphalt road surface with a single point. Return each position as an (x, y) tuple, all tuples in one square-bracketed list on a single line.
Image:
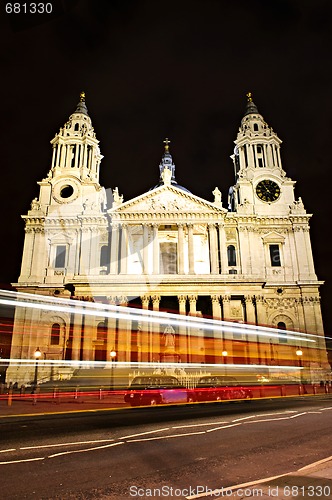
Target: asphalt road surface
[(128, 453)]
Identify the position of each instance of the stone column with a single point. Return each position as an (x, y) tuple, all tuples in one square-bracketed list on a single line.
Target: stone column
[(124, 333), (114, 249), (89, 336), (250, 309), (28, 249), (155, 328), (155, 249), (261, 311), (227, 337), (145, 351), (213, 248), (217, 344), (226, 300), (53, 155), (183, 349), (193, 340), (124, 248), (180, 248), (111, 330), (145, 248), (77, 332), (191, 255), (223, 249), (39, 257), (253, 351)]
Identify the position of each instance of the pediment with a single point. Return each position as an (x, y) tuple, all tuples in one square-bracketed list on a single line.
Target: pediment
[(168, 199), (273, 237)]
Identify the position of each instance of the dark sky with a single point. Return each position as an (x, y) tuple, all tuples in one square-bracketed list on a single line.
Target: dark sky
[(180, 69)]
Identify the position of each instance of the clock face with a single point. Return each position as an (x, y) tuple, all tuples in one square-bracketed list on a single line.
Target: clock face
[(268, 190)]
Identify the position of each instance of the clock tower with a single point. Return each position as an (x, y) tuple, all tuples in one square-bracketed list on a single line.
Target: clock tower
[(262, 187)]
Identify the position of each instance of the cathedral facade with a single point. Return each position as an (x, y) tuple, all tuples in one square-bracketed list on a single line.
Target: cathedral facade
[(248, 260)]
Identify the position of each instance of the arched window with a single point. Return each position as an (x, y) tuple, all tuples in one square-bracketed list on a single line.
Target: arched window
[(282, 335), (255, 127), (102, 331), (231, 255), (55, 334), (76, 127)]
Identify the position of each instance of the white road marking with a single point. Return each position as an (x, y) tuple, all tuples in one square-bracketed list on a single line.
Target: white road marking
[(144, 433), (264, 415), (224, 427), (20, 461), (197, 425), (235, 487), (316, 463), (87, 449), (253, 483), (233, 423), (65, 444), (166, 437)]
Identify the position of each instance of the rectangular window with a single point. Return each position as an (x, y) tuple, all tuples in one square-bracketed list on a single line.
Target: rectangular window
[(275, 255), (168, 258), (60, 256)]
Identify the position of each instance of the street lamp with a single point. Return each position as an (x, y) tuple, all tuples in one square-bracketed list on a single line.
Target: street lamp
[(37, 355), (113, 356), (299, 354)]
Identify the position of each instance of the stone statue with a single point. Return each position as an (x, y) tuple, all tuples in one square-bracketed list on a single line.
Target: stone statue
[(35, 205), (117, 198), (169, 336), (217, 195), (166, 176)]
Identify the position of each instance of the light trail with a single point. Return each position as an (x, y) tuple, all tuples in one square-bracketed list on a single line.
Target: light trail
[(15, 299)]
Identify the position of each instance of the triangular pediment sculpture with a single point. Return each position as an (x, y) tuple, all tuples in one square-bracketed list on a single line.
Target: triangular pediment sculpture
[(168, 199)]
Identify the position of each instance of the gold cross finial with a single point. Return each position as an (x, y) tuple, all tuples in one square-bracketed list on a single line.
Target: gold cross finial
[(82, 96), (249, 95), (166, 142)]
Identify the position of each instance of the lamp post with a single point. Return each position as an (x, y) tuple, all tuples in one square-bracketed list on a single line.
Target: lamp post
[(37, 355), (299, 354), (113, 356)]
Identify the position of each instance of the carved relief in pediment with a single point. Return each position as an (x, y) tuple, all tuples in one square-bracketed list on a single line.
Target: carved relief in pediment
[(166, 202)]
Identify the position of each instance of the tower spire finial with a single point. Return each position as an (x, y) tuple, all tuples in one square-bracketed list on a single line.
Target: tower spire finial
[(166, 142), (249, 96), (82, 96)]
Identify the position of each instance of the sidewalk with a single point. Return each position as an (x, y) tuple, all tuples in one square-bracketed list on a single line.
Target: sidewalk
[(312, 481), (40, 404)]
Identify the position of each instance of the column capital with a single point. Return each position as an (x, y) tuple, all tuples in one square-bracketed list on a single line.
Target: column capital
[(122, 300), (112, 300), (155, 299), (226, 298), (192, 298), (145, 300), (249, 299), (182, 299), (215, 298)]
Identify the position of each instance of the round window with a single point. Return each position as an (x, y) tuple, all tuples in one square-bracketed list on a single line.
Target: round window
[(66, 191)]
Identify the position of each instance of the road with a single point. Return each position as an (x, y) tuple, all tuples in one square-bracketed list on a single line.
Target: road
[(127, 453)]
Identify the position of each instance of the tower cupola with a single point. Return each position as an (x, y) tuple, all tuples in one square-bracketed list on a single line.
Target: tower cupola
[(257, 145), (75, 147)]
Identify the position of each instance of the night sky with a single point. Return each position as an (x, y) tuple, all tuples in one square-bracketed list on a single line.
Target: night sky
[(179, 69)]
